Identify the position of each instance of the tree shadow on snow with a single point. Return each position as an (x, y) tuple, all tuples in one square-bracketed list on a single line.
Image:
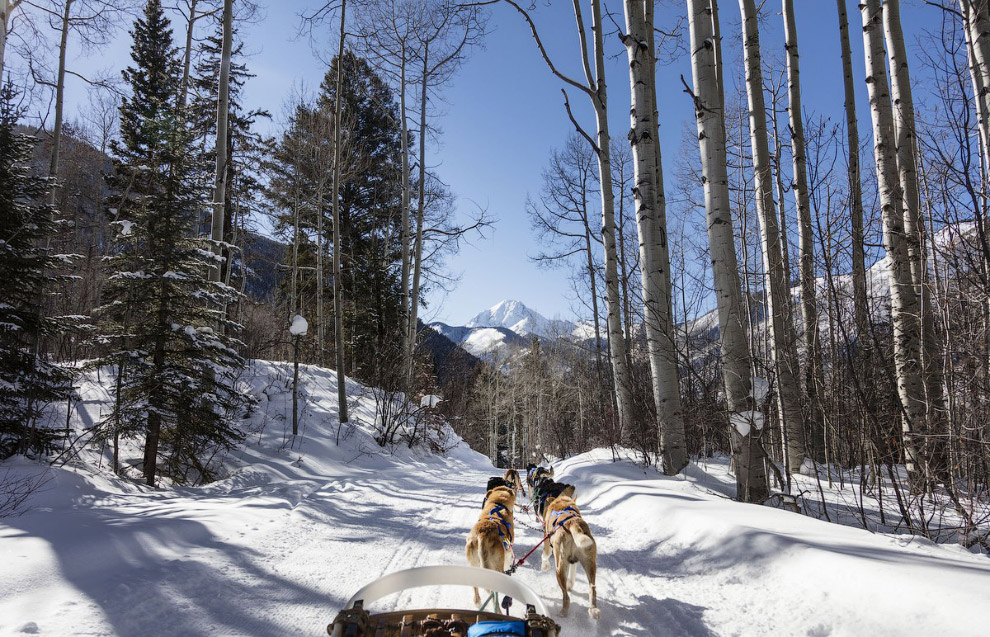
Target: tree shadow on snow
[(138, 570)]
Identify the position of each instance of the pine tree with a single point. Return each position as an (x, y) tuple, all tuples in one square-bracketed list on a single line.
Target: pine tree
[(370, 198), (28, 268), (161, 319)]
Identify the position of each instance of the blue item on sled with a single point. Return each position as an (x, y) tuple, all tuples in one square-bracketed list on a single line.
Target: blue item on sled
[(493, 629)]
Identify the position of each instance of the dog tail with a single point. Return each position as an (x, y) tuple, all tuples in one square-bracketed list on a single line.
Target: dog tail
[(582, 539)]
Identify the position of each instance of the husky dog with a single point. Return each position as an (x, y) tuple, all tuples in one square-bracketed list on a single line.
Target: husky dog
[(571, 542), (547, 489), (535, 473), (512, 479), (489, 544)]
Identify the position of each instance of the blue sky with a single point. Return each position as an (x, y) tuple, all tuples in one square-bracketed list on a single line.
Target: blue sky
[(503, 113)]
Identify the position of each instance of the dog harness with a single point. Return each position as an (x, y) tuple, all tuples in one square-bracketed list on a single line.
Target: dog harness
[(504, 526), (558, 518)]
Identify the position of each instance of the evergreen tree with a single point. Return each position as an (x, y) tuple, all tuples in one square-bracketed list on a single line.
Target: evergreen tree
[(162, 320), (28, 269), (370, 198)]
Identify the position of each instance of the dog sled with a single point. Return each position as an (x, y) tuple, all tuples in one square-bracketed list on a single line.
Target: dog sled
[(356, 621)]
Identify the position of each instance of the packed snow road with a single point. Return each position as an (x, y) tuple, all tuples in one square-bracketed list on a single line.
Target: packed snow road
[(279, 547)]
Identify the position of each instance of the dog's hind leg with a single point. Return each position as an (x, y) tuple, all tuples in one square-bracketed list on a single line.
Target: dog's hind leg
[(571, 572), (473, 559), (562, 567), (588, 562)]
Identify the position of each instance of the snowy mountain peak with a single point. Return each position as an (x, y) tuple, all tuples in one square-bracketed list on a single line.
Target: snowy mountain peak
[(515, 316)]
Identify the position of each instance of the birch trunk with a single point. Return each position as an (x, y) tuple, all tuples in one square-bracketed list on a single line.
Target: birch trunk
[(905, 304), (223, 115), (338, 318), (651, 221), (747, 421), (905, 132), (860, 303), (806, 245), (782, 338)]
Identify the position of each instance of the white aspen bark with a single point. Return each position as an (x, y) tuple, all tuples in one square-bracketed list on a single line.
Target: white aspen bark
[(744, 417), (782, 339), (338, 288), (187, 53), (806, 240), (223, 115), (59, 100), (294, 305), (904, 136), (976, 18), (651, 221), (905, 132), (860, 303), (320, 251), (6, 10), (905, 305), (420, 213), (618, 352), (978, 74), (404, 235)]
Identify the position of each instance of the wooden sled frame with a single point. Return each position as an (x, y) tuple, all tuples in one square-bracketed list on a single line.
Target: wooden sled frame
[(355, 621)]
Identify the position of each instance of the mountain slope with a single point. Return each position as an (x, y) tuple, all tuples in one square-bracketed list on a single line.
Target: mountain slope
[(515, 316)]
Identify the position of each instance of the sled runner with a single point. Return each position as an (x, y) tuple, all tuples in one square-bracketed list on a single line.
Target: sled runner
[(355, 621)]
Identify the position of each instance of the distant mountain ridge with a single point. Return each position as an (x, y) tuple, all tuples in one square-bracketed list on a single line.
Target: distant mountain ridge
[(515, 316), (507, 327)]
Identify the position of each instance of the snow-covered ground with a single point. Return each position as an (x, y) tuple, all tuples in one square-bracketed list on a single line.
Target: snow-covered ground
[(279, 545)]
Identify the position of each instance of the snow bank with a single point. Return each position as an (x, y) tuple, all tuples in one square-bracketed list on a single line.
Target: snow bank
[(299, 525)]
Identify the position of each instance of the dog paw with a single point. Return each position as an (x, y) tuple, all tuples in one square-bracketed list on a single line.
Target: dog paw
[(563, 611), (545, 565), (595, 613)]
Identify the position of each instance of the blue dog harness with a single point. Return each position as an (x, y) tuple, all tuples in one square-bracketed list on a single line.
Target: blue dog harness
[(504, 526), (558, 518)]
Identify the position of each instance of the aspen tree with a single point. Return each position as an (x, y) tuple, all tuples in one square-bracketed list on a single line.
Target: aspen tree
[(860, 305), (904, 301), (7, 8), (595, 88), (652, 223), (782, 339), (905, 133), (806, 240), (223, 115), (744, 416), (338, 311)]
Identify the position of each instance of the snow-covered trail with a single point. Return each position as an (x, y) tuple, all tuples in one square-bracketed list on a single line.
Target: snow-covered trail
[(283, 557), (278, 547)]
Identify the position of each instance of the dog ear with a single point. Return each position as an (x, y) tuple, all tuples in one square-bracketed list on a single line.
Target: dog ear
[(569, 491), (550, 472)]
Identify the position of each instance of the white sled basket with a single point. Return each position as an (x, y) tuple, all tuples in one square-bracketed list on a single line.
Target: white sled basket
[(355, 621)]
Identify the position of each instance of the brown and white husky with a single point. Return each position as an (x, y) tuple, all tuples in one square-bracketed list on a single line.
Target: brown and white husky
[(489, 544), (571, 542)]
